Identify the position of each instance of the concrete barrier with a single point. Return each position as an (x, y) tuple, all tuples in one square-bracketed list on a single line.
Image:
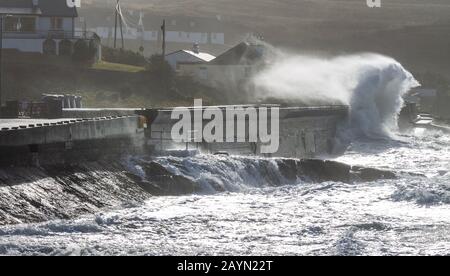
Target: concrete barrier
[(98, 112), (69, 140), (70, 130), (305, 132)]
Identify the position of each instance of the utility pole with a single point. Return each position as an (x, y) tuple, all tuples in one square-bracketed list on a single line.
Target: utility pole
[(85, 28), (121, 30), (142, 31), (115, 27), (163, 59), (163, 29)]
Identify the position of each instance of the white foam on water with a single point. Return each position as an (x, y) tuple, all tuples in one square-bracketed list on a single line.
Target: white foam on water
[(371, 84)]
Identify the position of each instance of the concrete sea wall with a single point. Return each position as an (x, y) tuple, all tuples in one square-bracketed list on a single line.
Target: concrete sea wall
[(69, 140), (305, 132)]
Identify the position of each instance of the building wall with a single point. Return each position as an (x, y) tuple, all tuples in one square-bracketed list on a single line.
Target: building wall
[(218, 38), (150, 35), (217, 75), (128, 34), (181, 56), (68, 24), (32, 45), (44, 24), (155, 35), (186, 37), (35, 45)]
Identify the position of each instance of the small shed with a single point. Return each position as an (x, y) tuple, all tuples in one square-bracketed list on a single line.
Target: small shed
[(188, 56)]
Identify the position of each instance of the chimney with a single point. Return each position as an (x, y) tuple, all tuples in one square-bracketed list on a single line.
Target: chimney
[(35, 3), (196, 48)]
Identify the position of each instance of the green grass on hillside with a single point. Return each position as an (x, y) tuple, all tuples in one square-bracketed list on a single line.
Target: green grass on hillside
[(109, 66)]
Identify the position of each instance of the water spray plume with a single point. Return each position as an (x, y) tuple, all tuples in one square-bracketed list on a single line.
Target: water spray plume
[(372, 85)]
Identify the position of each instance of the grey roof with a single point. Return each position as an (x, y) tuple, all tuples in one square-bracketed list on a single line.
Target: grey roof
[(201, 55), (45, 8), (242, 54)]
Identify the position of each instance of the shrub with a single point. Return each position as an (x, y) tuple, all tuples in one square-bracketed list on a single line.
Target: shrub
[(123, 56), (161, 70), (83, 52)]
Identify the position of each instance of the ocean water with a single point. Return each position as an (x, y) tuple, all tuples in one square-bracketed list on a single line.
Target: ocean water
[(405, 216), (246, 207)]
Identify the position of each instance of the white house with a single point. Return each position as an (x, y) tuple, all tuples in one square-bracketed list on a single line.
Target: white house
[(40, 26), (193, 56)]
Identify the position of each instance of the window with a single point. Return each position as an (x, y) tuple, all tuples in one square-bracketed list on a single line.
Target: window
[(56, 23), (20, 24), (28, 24), (11, 24)]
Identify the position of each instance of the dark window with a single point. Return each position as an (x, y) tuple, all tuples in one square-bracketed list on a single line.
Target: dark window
[(11, 24), (28, 24), (20, 24), (56, 23)]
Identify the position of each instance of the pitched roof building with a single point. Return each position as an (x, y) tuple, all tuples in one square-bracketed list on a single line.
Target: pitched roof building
[(193, 56), (242, 54), (37, 7), (40, 26)]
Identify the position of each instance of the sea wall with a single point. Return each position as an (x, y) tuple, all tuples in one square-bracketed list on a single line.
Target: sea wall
[(97, 112), (61, 141), (305, 132)]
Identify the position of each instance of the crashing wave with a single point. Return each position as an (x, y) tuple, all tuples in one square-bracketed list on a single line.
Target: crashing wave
[(372, 85), (63, 192)]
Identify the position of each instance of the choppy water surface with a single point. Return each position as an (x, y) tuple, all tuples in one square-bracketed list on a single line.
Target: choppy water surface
[(410, 215)]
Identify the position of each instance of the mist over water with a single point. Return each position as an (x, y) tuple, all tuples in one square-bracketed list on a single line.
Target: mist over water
[(371, 85)]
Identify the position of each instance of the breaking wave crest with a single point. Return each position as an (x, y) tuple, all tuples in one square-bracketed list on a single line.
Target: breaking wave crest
[(64, 192), (371, 84)]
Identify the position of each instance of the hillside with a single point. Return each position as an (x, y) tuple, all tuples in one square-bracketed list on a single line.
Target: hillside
[(415, 32)]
